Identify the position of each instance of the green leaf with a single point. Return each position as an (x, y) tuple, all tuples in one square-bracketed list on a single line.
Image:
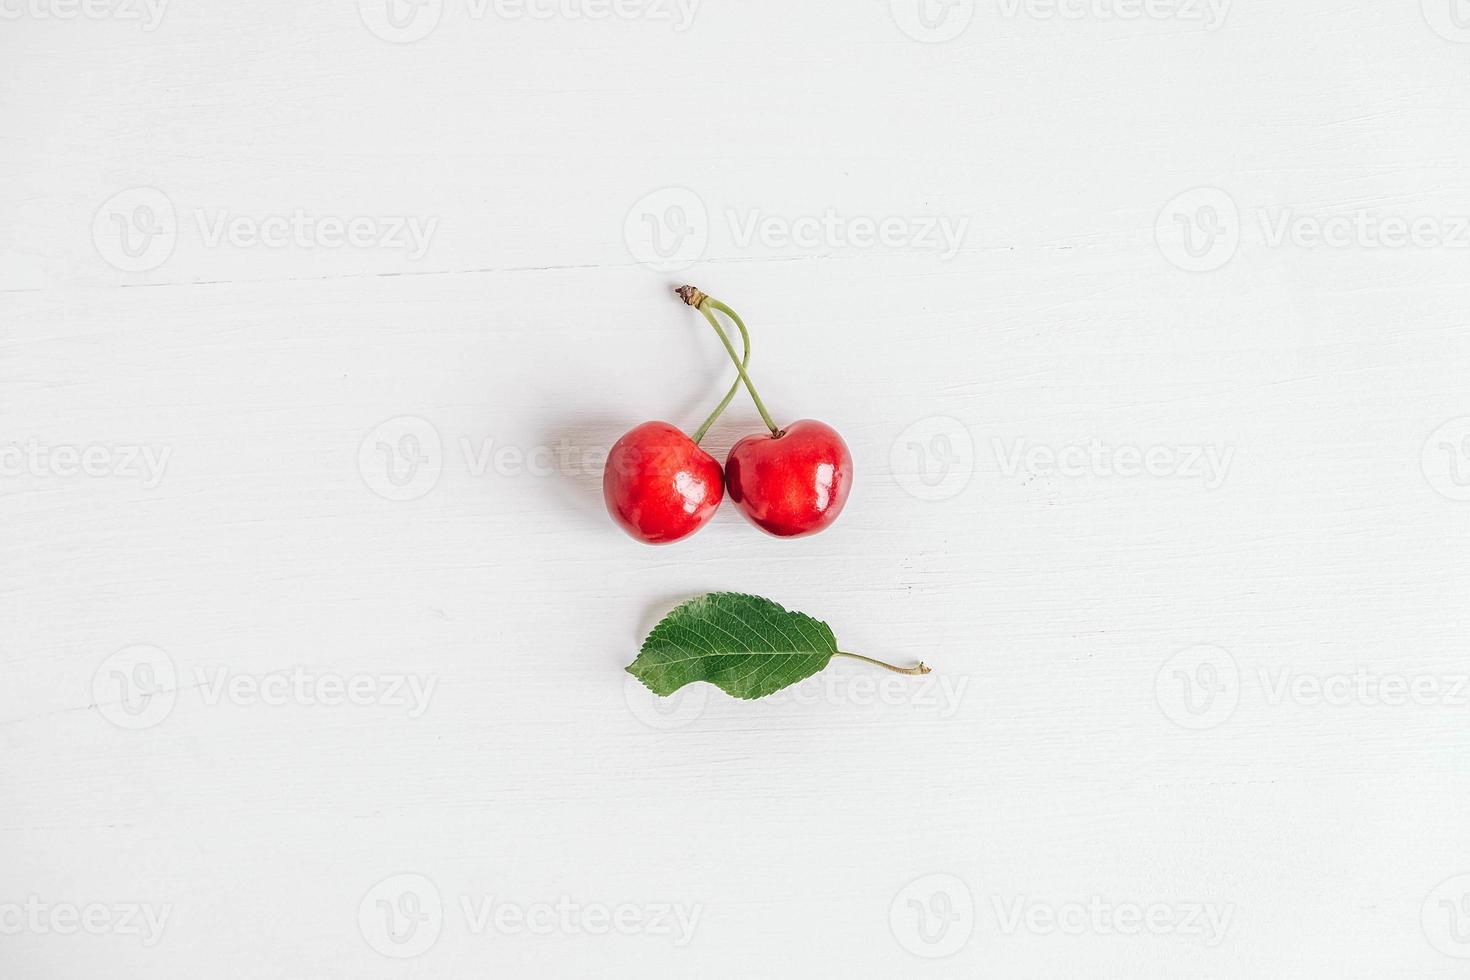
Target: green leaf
[(746, 646)]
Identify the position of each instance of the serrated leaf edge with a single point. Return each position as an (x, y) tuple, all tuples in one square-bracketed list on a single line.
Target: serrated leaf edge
[(704, 597)]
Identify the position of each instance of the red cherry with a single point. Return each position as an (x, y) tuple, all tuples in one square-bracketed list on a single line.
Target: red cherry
[(659, 485), (792, 483)]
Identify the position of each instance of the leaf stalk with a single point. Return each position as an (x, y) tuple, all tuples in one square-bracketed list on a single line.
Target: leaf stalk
[(914, 671)]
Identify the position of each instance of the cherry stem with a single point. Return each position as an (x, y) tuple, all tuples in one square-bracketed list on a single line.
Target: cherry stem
[(702, 302), (729, 395), (912, 671)]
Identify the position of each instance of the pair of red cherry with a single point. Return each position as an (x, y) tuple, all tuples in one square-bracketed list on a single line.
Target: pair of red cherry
[(660, 486)]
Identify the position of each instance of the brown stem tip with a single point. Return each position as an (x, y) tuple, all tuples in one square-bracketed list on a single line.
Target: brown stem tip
[(691, 295)]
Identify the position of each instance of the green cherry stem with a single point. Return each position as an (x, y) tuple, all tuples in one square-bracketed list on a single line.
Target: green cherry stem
[(760, 406), (912, 671), (729, 395), (702, 302)]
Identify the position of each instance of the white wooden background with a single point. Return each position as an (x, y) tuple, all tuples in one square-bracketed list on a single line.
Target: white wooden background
[(1163, 463)]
